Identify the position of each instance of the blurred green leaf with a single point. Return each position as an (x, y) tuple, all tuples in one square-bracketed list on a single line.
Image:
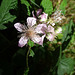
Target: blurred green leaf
[(73, 38), (60, 36), (55, 41), (28, 6), (5, 16), (47, 5), (31, 53), (66, 65), (2, 27), (71, 24), (30, 43), (67, 33), (63, 6)]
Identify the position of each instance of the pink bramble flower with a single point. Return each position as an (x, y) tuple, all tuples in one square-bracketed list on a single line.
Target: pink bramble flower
[(29, 32), (48, 31), (43, 17), (38, 15)]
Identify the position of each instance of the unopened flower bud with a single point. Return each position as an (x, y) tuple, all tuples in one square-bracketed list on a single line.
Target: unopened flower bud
[(59, 30), (43, 17), (39, 11)]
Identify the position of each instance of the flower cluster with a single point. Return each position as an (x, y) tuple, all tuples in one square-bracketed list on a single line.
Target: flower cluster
[(38, 27)]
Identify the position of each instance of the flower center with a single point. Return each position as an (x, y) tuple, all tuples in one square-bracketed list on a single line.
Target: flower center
[(30, 33)]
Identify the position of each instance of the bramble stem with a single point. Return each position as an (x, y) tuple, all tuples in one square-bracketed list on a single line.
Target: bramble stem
[(27, 70), (27, 57)]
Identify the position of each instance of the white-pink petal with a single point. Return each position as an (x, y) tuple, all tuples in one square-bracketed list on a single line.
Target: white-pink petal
[(41, 42), (18, 26), (23, 41), (50, 37), (31, 21), (50, 29), (37, 39), (41, 28)]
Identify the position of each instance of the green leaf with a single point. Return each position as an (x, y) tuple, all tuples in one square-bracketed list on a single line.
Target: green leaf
[(63, 6), (5, 16), (2, 27), (30, 43), (71, 24), (47, 5), (66, 65), (31, 53), (28, 6)]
